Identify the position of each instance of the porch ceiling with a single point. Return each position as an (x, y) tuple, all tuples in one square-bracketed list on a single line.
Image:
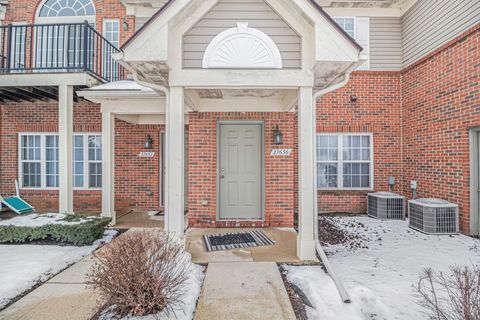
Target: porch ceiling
[(241, 100)]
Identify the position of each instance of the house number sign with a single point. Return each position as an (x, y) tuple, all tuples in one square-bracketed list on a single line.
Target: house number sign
[(281, 152), (145, 154)]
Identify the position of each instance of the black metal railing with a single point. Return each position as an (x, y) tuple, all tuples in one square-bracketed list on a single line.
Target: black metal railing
[(75, 47)]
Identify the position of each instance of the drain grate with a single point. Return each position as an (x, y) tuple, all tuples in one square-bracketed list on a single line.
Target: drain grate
[(253, 238)]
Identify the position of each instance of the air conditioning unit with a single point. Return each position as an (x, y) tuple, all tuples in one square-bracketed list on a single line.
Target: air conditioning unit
[(386, 206), (433, 216)]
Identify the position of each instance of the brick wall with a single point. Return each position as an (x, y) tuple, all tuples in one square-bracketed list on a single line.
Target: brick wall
[(441, 101), (377, 111), (279, 191), (136, 179), (42, 117), (26, 10)]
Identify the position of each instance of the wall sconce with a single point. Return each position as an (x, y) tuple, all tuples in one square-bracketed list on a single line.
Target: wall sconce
[(148, 142), (126, 26), (353, 98), (277, 136)]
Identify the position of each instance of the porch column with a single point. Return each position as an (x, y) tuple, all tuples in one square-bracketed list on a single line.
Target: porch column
[(306, 174), (174, 174), (65, 148), (108, 170)]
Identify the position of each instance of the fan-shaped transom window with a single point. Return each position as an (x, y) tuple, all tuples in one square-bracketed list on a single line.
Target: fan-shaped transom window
[(242, 47), (67, 8)]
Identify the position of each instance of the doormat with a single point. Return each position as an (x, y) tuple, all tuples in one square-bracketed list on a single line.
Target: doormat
[(226, 241)]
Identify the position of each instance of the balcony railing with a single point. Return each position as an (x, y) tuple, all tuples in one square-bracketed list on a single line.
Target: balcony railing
[(41, 48)]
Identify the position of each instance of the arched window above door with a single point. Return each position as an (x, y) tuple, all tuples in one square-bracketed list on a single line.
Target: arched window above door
[(67, 8)]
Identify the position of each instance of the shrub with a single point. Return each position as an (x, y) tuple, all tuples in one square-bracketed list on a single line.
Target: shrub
[(455, 296), (77, 234), (140, 273)]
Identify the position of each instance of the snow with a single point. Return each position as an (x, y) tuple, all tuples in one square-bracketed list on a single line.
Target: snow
[(37, 220), (120, 86), (379, 273), (23, 266)]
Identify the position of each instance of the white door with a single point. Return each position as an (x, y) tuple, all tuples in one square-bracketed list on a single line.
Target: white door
[(240, 171)]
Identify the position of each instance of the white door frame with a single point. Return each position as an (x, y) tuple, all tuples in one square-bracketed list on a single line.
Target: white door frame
[(475, 181), (217, 172)]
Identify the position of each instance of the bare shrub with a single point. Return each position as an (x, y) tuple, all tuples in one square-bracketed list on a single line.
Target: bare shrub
[(454, 296), (140, 273)]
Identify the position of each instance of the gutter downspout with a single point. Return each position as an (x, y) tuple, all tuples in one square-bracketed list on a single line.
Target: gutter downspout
[(338, 283)]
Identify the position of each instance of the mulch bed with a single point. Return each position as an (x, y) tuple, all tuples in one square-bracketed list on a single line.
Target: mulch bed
[(297, 302), (331, 234)]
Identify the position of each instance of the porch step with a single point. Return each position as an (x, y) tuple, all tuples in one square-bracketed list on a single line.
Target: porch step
[(244, 290)]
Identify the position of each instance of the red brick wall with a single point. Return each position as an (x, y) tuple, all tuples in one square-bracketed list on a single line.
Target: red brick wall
[(441, 101), (279, 191), (377, 111), (42, 117), (25, 11), (137, 180)]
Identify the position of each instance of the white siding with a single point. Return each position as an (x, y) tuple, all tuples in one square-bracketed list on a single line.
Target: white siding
[(430, 23), (225, 15), (385, 43)]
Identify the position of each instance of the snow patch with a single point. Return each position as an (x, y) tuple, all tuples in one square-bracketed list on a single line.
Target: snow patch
[(38, 220), (380, 275), (23, 266)]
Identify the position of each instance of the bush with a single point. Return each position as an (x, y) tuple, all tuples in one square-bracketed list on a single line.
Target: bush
[(455, 296), (77, 234), (140, 273)]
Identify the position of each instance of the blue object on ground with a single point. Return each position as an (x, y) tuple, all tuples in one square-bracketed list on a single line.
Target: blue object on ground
[(17, 205)]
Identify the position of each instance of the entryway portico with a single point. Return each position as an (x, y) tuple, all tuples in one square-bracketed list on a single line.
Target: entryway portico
[(243, 74)]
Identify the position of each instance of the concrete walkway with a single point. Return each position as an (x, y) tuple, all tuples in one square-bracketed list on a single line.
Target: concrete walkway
[(62, 297), (244, 290)]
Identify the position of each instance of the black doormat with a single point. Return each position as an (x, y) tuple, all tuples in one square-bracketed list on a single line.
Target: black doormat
[(226, 241)]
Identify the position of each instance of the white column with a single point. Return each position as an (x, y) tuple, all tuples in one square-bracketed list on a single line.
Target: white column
[(174, 162), (108, 166), (65, 148), (307, 197)]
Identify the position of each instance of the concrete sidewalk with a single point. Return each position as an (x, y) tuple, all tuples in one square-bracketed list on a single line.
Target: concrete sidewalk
[(62, 297), (244, 290)]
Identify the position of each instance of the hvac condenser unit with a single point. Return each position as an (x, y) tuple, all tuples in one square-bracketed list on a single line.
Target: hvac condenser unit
[(433, 216), (386, 206)]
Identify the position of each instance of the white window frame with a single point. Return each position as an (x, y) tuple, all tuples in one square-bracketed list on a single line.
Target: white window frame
[(43, 163), (354, 23), (340, 161)]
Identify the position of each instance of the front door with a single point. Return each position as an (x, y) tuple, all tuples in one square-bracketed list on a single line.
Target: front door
[(240, 169)]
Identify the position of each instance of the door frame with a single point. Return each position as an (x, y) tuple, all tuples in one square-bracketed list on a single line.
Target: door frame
[(474, 181), (217, 171)]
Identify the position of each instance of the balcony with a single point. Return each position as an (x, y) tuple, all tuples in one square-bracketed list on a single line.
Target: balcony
[(58, 48)]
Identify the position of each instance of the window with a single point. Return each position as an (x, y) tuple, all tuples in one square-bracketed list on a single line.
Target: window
[(359, 29), (344, 161), (39, 161), (347, 24), (111, 32), (67, 8)]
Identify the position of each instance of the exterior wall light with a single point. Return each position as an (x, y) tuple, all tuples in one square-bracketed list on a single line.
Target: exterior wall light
[(353, 98), (277, 136), (126, 27), (148, 142)]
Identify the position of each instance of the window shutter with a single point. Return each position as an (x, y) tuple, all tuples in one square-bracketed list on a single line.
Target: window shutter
[(362, 37)]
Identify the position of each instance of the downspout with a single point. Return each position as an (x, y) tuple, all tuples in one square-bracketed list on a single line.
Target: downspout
[(338, 283)]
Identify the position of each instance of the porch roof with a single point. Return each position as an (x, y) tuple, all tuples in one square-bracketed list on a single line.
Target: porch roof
[(313, 3)]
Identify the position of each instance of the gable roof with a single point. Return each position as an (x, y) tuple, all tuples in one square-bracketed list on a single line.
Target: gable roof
[(313, 2)]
